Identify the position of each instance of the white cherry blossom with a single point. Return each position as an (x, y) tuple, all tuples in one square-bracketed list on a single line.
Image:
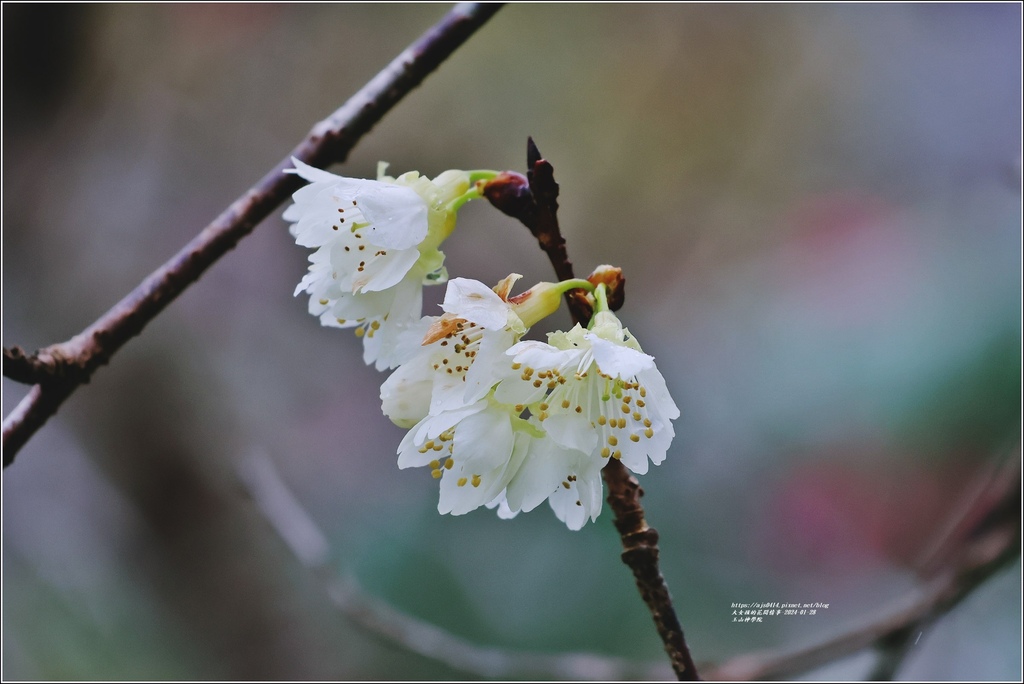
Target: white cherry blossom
[(376, 246), (598, 393), (463, 352)]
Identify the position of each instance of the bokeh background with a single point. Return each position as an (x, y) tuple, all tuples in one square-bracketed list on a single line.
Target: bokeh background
[(818, 211)]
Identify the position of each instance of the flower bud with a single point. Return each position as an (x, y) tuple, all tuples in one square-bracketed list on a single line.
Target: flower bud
[(614, 282)]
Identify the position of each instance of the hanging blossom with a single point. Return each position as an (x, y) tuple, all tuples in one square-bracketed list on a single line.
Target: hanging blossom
[(472, 443), (595, 392), (376, 247)]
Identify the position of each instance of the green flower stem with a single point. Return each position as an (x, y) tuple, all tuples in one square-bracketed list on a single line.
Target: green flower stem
[(475, 191), (480, 174), (576, 284), (600, 299)]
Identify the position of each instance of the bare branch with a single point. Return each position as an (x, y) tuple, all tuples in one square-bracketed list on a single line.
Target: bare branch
[(25, 368), (991, 544), (310, 546), (535, 204), (328, 142)]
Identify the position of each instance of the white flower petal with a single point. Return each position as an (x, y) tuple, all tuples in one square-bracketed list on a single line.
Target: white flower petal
[(484, 440), (657, 393), (572, 431), (616, 360), (543, 470), (432, 426), (542, 356), (397, 215), (386, 270), (488, 365), (504, 512), (568, 507), (405, 395), (477, 303), (311, 173)]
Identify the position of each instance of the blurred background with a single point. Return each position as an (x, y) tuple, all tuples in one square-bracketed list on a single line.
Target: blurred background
[(817, 209)]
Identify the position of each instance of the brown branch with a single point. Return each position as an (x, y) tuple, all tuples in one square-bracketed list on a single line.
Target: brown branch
[(309, 545), (29, 369), (991, 544), (533, 201), (328, 142)]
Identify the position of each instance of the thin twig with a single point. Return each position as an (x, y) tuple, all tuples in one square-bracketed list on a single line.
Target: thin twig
[(328, 142), (309, 545), (993, 543), (534, 204)]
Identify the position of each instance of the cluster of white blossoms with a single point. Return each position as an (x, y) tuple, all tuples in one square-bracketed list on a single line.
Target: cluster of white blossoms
[(376, 247), (501, 422)]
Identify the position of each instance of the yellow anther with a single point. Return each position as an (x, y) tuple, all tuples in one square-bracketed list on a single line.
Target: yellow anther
[(626, 399), (634, 437), (641, 403), (438, 447), (579, 409), (519, 408), (449, 464), (376, 326), (543, 406), (565, 403), (625, 408), (516, 366), (613, 440), (647, 422), (341, 320), (606, 452), (565, 484), (325, 302), (643, 392), (617, 454), (435, 473), (430, 445), (543, 415), (461, 482), (434, 465), (360, 332), (636, 415), (648, 433), (538, 383), (476, 481), (601, 420)]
